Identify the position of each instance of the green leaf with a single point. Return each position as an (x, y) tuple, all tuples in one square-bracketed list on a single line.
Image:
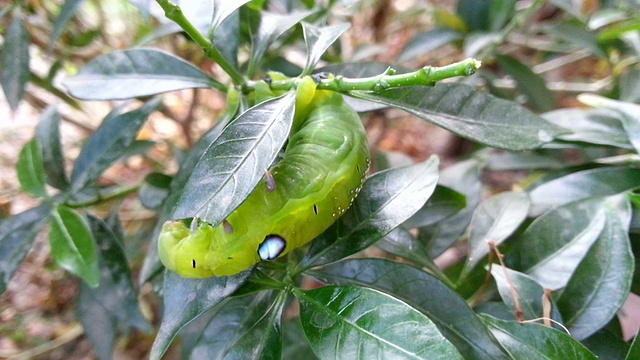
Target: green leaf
[(428, 41), (133, 73), (186, 299), (226, 37), (471, 114), (108, 143), (387, 199), (553, 245), (222, 9), (116, 292), (528, 82), (634, 350), (154, 190), (271, 27), (245, 327), (294, 343), (602, 280), (475, 13), (48, 134), (529, 292), (594, 126), (577, 36), (606, 345), (318, 40), (463, 177), (16, 237), (72, 245), (535, 341), (231, 166), (443, 203), (581, 185), (30, 169), (98, 323), (448, 311), (401, 243), (14, 61), (495, 219), (500, 161), (359, 323), (628, 115), (66, 13)]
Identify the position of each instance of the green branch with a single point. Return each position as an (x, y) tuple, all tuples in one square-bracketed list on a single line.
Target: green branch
[(427, 76), (174, 13), (101, 198)]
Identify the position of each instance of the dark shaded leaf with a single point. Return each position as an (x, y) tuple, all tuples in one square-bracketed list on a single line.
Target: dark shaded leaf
[(471, 114), (495, 219), (16, 237), (475, 13), (443, 203), (401, 243), (98, 323), (535, 341), (528, 82), (133, 73), (66, 13), (108, 143), (634, 350), (245, 327), (226, 37), (231, 166), (606, 345), (449, 312), (30, 169), (387, 199), (186, 299), (72, 245), (294, 343), (360, 323), (222, 9), (602, 280), (581, 185), (154, 190), (14, 61), (318, 40), (425, 42), (48, 133)]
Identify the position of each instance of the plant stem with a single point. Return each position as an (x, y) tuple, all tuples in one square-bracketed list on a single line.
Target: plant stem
[(119, 193), (174, 13), (427, 76)]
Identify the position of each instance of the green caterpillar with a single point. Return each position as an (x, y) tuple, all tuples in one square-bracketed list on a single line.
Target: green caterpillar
[(322, 171)]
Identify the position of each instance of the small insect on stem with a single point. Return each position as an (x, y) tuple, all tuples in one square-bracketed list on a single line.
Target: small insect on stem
[(194, 224), (271, 182)]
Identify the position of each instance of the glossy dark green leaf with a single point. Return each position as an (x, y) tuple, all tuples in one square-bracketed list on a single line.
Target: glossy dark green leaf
[(294, 343), (133, 73), (360, 323), (272, 25), (425, 42), (16, 237), (48, 133), (602, 280), (581, 185), (629, 115), (72, 245), (401, 243), (154, 190), (594, 126), (606, 345), (529, 83), (232, 165), (634, 350), (471, 114), (318, 40), (14, 61), (443, 203), (108, 143), (387, 199), (535, 341), (463, 177), (553, 245), (66, 13), (116, 292), (185, 300), (495, 219), (151, 265), (528, 290), (226, 37), (245, 327), (30, 169), (577, 36), (448, 311), (98, 323)]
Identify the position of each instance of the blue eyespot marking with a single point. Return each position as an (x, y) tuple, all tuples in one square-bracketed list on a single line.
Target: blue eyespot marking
[(271, 247)]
